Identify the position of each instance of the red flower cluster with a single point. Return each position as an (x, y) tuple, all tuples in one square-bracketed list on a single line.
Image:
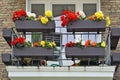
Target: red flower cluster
[(18, 14), (68, 16), (20, 40), (70, 44)]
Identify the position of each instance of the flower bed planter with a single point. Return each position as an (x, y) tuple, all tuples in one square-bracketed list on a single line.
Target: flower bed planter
[(7, 34), (33, 52), (75, 52), (34, 26), (115, 34), (86, 26)]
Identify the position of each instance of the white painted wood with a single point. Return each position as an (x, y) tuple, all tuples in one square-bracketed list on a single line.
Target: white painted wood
[(74, 73), (48, 3)]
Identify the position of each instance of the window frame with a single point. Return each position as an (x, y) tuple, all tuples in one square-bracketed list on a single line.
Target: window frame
[(48, 3)]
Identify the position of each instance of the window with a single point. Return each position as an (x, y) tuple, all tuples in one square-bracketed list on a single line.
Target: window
[(58, 8)]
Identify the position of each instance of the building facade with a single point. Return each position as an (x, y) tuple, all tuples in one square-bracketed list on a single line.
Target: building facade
[(7, 7)]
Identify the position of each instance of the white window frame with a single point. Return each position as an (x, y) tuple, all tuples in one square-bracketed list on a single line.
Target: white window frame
[(48, 3)]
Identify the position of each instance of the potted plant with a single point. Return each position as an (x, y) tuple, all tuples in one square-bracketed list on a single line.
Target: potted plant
[(85, 49), (21, 48), (78, 22), (27, 22)]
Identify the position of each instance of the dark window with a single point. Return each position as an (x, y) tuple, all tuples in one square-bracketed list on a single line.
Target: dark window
[(38, 9), (58, 8), (89, 9)]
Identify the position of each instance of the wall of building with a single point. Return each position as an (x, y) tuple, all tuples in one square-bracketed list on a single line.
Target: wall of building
[(7, 7), (112, 9)]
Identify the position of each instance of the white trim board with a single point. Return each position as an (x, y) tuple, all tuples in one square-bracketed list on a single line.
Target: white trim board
[(61, 72)]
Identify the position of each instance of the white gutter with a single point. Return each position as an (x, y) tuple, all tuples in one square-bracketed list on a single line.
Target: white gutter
[(61, 72)]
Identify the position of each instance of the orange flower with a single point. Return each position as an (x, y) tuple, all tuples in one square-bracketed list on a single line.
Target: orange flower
[(87, 43), (94, 44), (92, 17), (36, 44), (39, 17)]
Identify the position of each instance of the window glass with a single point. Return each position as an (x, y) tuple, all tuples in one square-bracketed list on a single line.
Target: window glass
[(89, 9), (58, 8), (38, 9)]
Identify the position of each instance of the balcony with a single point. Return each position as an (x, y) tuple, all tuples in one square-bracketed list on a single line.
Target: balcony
[(33, 68)]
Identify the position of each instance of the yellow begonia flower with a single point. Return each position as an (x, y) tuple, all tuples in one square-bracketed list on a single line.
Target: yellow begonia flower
[(44, 20), (48, 13), (50, 44), (107, 21), (54, 44), (42, 43), (103, 44), (99, 15)]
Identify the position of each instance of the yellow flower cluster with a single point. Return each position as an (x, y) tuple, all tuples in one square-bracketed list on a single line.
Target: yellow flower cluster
[(107, 21), (48, 14), (47, 44), (99, 15), (103, 44), (44, 20), (42, 43)]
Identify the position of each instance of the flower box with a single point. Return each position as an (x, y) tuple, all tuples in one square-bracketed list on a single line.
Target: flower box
[(6, 58), (86, 26), (115, 34), (34, 26), (75, 52), (116, 57), (7, 34), (33, 52)]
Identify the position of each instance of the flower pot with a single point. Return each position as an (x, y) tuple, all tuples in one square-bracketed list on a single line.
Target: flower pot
[(33, 52), (34, 26), (86, 26), (75, 52), (18, 45)]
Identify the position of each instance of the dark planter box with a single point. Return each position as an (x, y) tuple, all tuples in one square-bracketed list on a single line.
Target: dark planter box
[(116, 57), (115, 34), (7, 34), (75, 52), (34, 26), (33, 52), (114, 42), (86, 26), (6, 58)]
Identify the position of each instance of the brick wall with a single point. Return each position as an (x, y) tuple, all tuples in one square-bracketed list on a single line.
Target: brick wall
[(7, 7), (109, 7), (112, 9)]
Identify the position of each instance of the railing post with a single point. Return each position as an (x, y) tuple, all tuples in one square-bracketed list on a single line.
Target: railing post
[(108, 57)]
